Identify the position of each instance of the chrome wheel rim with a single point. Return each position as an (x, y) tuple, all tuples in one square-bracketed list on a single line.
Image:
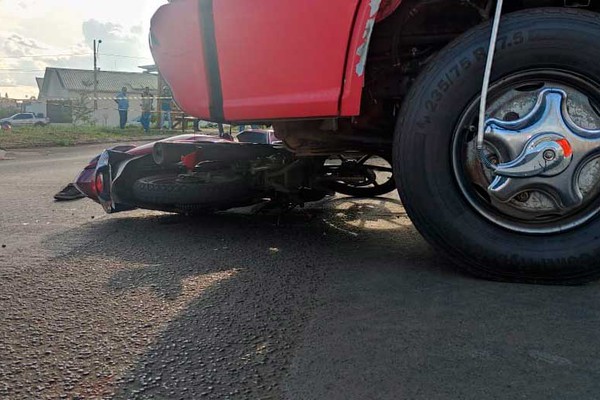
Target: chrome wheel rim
[(543, 135)]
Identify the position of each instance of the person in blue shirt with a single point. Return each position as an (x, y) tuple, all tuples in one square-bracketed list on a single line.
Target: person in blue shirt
[(123, 106)]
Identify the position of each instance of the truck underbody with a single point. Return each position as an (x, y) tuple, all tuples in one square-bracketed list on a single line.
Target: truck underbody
[(402, 45)]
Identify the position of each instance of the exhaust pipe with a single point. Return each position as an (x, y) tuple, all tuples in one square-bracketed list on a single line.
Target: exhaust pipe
[(165, 154), (171, 153)]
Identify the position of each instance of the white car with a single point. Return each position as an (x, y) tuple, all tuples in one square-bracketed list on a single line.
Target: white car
[(23, 119)]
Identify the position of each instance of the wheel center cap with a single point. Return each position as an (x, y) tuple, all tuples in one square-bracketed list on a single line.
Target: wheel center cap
[(546, 149), (544, 155)]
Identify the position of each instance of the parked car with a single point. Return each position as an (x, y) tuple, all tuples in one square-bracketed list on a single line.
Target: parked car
[(25, 119)]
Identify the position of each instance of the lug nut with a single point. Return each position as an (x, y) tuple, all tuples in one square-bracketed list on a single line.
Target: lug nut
[(494, 160), (549, 155)]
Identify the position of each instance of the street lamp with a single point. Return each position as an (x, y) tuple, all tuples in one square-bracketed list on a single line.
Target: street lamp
[(96, 47)]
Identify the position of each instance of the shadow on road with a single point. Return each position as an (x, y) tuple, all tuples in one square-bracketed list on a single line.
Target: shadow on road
[(237, 335), (340, 300)]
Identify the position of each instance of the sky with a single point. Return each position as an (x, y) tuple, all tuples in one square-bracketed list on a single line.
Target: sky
[(35, 34)]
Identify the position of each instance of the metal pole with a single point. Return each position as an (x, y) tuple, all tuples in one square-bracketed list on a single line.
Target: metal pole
[(159, 102), (96, 74)]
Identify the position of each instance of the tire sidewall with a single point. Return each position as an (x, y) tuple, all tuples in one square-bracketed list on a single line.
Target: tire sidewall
[(424, 137)]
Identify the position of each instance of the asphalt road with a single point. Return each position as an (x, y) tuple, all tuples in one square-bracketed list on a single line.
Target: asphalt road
[(342, 300)]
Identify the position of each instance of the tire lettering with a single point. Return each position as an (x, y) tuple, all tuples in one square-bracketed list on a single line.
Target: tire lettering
[(430, 106), (501, 42), (455, 72), (480, 54), (518, 38), (465, 63), (443, 85)]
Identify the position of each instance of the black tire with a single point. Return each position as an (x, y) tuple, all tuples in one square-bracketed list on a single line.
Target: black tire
[(366, 191), (168, 191), (551, 37), (39, 124)]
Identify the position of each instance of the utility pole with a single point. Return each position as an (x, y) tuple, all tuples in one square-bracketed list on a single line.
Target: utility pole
[(96, 46)]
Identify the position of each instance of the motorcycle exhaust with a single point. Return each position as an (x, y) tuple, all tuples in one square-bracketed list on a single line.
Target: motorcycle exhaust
[(171, 153)]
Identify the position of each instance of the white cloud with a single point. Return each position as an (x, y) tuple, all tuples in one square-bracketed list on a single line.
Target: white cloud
[(36, 34), (121, 49), (8, 82)]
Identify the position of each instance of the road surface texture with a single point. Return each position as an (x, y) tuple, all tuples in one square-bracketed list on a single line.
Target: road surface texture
[(342, 300)]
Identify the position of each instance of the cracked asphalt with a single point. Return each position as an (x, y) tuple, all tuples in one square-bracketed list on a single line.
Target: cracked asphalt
[(341, 300)]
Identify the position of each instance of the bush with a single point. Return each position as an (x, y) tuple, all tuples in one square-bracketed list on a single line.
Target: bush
[(8, 112)]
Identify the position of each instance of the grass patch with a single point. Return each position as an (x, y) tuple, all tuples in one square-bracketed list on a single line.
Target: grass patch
[(69, 135)]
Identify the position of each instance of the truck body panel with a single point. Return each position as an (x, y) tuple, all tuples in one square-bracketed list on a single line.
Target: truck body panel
[(238, 60)]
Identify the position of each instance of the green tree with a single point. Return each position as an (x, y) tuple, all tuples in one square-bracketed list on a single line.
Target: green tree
[(83, 111)]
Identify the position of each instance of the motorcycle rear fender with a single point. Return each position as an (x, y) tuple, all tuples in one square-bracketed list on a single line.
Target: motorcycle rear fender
[(113, 164)]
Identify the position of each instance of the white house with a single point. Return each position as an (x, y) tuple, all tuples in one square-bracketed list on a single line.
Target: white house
[(62, 89)]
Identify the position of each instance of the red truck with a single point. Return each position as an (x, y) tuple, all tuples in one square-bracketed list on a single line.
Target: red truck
[(517, 200)]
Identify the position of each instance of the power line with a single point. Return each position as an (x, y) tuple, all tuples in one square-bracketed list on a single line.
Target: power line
[(122, 56), (21, 70), (72, 55), (48, 55)]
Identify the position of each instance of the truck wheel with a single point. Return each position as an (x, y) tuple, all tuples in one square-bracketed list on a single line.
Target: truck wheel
[(39, 124), (541, 223), (171, 190)]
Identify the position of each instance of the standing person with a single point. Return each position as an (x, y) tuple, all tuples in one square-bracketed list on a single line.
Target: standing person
[(147, 105), (123, 106), (165, 107)]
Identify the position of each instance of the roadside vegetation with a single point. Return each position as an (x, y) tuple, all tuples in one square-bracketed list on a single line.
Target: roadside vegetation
[(7, 112), (69, 135)]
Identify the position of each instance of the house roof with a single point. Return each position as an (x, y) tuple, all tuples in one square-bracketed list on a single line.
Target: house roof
[(149, 68), (40, 83), (81, 80)]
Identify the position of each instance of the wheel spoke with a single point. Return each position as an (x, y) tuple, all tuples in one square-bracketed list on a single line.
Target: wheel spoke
[(364, 159), (380, 169)]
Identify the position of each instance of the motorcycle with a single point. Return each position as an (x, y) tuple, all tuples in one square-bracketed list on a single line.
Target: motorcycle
[(200, 173)]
